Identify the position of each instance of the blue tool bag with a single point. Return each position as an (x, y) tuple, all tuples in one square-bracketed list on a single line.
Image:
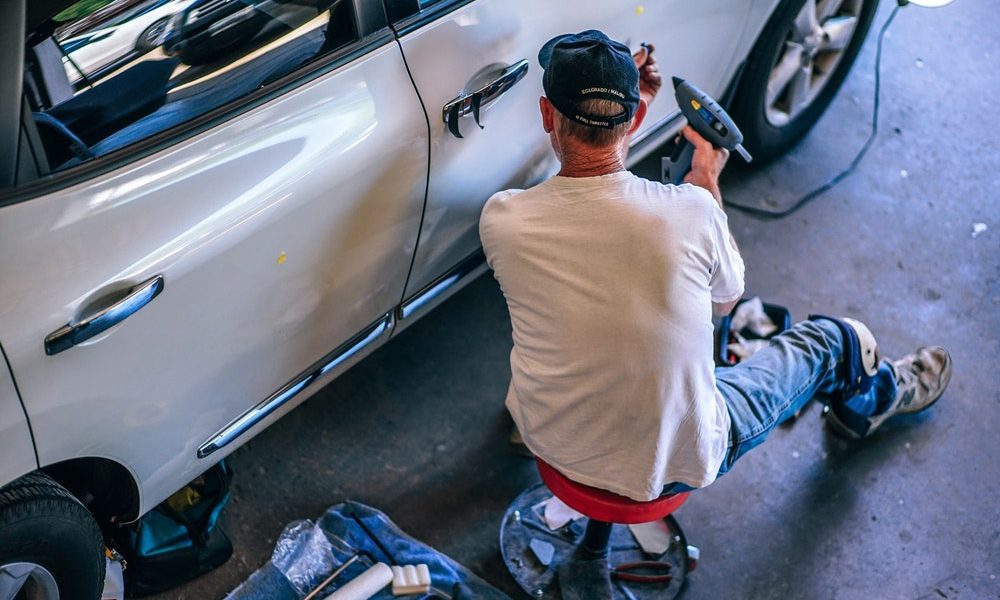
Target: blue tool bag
[(179, 539)]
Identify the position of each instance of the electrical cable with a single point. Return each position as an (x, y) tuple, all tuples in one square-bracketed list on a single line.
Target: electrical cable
[(774, 215)]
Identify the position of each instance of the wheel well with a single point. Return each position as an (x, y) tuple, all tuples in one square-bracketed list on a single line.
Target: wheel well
[(105, 487)]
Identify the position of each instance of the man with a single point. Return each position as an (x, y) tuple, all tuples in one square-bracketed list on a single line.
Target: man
[(611, 281)]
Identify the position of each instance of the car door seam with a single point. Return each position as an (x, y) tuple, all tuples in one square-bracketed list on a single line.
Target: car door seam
[(427, 173), (24, 409)]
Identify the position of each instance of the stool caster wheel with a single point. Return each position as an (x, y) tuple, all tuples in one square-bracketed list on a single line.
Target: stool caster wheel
[(523, 524), (693, 554)]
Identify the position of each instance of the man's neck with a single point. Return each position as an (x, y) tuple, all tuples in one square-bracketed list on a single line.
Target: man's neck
[(591, 162)]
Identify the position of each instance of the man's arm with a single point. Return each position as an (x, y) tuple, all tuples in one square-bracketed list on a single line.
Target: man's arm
[(724, 308), (706, 166)]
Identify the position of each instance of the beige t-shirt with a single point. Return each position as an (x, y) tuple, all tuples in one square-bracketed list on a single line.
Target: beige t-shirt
[(610, 282)]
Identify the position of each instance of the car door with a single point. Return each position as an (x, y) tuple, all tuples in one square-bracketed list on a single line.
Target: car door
[(15, 436), (455, 48), (256, 249)]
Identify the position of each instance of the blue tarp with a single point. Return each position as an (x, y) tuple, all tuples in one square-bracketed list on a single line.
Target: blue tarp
[(307, 553)]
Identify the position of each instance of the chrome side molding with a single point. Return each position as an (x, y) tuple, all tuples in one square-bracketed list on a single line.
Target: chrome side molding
[(331, 361), (424, 297), (654, 137)]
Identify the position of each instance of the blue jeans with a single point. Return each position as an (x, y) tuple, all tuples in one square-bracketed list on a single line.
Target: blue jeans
[(768, 388)]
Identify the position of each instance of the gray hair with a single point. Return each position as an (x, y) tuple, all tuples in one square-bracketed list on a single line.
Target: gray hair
[(594, 136)]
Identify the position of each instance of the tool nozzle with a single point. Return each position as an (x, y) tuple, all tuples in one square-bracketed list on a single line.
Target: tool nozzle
[(677, 82), (743, 152)]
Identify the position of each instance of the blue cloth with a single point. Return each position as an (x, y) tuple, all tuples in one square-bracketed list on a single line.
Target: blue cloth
[(301, 562), (768, 388)]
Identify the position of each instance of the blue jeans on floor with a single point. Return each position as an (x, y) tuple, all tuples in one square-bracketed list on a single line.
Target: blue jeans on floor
[(768, 388)]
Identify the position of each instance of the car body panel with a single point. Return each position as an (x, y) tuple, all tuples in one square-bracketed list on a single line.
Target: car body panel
[(15, 437), (512, 151), (280, 235)]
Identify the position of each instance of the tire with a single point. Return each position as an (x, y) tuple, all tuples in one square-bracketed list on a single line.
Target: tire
[(152, 36), (43, 525), (772, 126)]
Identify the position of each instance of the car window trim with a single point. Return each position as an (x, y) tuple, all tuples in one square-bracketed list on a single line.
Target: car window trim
[(11, 65), (175, 135), (427, 15)]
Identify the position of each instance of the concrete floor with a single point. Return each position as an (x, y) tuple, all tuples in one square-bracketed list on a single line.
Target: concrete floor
[(419, 430)]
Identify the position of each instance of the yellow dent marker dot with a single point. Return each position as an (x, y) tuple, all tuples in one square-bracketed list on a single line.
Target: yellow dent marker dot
[(696, 104), (639, 10), (282, 258)]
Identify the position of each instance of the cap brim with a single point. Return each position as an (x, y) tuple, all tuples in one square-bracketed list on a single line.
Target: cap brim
[(545, 54)]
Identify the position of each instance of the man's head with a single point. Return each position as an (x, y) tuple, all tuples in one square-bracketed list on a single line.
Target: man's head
[(591, 88)]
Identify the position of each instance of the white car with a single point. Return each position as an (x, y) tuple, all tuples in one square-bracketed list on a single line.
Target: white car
[(129, 34), (191, 251)]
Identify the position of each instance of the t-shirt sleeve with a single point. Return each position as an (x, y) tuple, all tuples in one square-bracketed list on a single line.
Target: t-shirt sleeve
[(727, 267)]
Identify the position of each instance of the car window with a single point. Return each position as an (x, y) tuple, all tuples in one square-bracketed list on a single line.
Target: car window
[(102, 74)]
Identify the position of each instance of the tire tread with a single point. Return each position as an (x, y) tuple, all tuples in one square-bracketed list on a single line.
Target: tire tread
[(37, 496)]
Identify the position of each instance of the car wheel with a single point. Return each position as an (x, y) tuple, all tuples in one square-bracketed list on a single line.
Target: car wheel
[(795, 69), (152, 36), (50, 545)]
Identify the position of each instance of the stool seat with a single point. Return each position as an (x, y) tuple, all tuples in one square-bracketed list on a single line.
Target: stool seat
[(602, 505)]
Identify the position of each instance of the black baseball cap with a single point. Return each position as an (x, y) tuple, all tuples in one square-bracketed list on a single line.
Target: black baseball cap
[(586, 65)]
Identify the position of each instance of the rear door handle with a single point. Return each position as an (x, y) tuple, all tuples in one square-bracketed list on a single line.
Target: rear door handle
[(473, 103), (70, 335)]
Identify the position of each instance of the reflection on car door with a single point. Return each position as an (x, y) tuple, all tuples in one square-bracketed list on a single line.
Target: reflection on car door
[(279, 235), (469, 47)]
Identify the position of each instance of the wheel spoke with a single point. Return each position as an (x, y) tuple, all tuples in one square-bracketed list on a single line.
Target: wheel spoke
[(12, 579), (827, 9), (798, 90), (806, 22), (784, 71), (18, 579), (837, 33)]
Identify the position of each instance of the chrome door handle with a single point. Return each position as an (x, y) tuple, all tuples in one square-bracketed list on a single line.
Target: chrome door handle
[(70, 335), (473, 103)]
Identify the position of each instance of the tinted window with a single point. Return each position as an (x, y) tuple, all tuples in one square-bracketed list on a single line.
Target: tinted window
[(103, 74)]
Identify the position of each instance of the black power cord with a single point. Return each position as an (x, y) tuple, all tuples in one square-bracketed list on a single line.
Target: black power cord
[(773, 215)]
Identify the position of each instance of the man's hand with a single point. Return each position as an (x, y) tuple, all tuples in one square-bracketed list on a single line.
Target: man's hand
[(706, 164), (649, 74)]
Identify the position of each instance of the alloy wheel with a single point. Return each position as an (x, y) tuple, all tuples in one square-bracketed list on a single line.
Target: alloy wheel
[(27, 581), (814, 46)]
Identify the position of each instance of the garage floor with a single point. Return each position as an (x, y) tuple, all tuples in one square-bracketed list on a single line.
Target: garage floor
[(419, 430)]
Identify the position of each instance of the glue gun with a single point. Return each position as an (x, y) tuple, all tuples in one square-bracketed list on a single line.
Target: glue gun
[(705, 115)]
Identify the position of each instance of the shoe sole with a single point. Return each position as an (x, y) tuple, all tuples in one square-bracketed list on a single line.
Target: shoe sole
[(838, 427)]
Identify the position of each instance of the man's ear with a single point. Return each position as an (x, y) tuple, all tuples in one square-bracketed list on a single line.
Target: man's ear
[(548, 114), (640, 114)]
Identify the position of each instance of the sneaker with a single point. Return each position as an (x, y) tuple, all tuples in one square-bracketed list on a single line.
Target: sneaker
[(517, 445), (921, 378)]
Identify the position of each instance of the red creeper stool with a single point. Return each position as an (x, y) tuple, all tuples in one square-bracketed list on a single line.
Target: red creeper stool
[(533, 553)]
